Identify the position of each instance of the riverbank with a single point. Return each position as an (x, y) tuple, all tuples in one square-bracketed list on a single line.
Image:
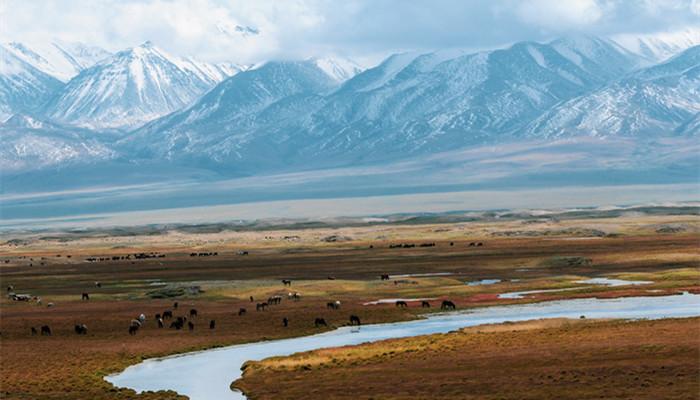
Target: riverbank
[(207, 374), (546, 359)]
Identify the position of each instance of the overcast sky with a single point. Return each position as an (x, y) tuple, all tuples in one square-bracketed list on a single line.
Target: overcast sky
[(216, 30)]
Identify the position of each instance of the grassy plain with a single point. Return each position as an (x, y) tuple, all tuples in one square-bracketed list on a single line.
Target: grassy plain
[(333, 263)]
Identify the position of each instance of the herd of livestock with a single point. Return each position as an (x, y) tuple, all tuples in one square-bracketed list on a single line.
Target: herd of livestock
[(188, 319), (179, 322)]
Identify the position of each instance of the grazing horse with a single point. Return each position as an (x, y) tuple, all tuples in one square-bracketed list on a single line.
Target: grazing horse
[(193, 312), (354, 319), (80, 329), (401, 304), (241, 311), (286, 282), (190, 325), (261, 307), (425, 304), (212, 324), (34, 332), (167, 314), (134, 326), (333, 305), (85, 296), (479, 244), (385, 277), (285, 322), (177, 324), (448, 305), (45, 330), (320, 321)]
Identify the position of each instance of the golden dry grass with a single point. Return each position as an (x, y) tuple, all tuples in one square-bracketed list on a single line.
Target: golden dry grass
[(533, 360)]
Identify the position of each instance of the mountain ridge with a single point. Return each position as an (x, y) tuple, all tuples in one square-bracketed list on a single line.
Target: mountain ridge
[(329, 112)]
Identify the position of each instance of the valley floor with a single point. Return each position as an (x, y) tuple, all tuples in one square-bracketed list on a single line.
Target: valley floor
[(344, 263)]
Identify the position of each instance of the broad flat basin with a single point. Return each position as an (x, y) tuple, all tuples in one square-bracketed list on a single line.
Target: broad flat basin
[(208, 374)]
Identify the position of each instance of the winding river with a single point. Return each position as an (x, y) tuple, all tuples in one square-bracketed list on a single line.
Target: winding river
[(207, 374)]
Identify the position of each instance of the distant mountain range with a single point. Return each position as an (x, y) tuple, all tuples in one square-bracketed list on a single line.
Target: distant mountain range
[(132, 87), (73, 107)]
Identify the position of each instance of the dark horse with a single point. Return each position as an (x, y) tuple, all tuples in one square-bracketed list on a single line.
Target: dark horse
[(193, 312), (448, 305), (286, 282), (241, 311), (45, 330), (177, 324), (354, 319), (320, 321), (80, 329), (401, 304), (385, 277), (85, 296), (212, 324), (134, 327), (333, 305), (425, 304)]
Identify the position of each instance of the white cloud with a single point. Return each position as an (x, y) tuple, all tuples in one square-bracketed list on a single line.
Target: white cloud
[(560, 14), (361, 29), (695, 7)]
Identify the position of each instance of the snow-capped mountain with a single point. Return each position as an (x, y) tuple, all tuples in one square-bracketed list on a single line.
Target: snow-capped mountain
[(598, 56), (660, 46), (328, 112), (438, 101), (288, 113), (30, 143), (62, 60), (653, 101), (132, 87), (340, 69), (23, 88), (223, 119)]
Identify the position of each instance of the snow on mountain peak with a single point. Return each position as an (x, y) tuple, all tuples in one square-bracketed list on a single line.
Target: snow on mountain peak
[(61, 60), (132, 87), (659, 46), (340, 69), (22, 86)]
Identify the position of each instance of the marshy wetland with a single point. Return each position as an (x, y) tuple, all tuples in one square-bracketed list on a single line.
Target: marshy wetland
[(216, 271)]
